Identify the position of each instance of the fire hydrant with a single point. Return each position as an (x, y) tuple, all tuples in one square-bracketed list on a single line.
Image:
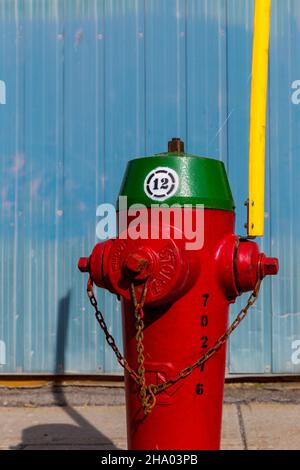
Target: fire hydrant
[(175, 294)]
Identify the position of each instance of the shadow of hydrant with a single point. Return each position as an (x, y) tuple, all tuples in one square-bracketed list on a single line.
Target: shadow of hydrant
[(82, 434)]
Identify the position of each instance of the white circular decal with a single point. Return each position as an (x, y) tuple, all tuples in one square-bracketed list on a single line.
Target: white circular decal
[(161, 183)]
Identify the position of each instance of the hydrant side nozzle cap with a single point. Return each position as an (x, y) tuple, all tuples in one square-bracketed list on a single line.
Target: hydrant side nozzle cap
[(268, 266), (84, 265)]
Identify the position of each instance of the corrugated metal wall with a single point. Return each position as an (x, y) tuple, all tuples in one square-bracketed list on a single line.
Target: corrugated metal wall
[(88, 84)]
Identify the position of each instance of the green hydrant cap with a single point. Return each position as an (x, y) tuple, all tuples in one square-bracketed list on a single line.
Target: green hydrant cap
[(176, 177)]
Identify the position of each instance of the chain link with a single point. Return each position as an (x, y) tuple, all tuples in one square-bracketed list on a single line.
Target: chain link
[(148, 392), (109, 338), (148, 398)]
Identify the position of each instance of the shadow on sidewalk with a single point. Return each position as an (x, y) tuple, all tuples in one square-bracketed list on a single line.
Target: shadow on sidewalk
[(82, 434)]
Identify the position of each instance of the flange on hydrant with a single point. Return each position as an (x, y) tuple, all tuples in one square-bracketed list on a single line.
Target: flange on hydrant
[(175, 295)]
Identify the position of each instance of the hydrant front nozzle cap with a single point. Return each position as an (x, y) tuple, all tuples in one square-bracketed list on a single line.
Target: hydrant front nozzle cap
[(84, 265), (136, 263)]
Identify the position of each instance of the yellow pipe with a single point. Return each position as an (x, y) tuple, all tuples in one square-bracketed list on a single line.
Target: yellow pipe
[(258, 104)]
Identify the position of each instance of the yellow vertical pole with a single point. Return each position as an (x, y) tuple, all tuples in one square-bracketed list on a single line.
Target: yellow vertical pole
[(258, 104)]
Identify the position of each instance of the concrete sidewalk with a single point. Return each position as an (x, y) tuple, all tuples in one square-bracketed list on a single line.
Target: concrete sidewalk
[(253, 426), (262, 423)]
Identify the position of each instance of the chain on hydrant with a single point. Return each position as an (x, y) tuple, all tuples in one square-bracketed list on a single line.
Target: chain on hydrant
[(148, 392)]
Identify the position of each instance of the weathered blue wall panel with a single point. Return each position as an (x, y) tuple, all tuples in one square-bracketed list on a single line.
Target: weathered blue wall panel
[(249, 349), (285, 184), (93, 83)]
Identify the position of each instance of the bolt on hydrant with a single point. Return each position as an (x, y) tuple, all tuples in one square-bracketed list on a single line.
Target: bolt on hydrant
[(175, 293)]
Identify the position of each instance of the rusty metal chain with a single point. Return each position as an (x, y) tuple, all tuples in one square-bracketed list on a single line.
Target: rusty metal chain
[(109, 338), (148, 392), (216, 346), (148, 398)]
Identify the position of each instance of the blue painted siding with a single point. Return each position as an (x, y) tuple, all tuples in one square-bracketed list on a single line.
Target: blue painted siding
[(93, 83)]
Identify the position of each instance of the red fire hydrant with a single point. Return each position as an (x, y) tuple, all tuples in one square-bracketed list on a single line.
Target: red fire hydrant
[(175, 294)]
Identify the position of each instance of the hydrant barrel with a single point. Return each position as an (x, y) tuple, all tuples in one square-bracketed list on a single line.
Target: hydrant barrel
[(189, 266)]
